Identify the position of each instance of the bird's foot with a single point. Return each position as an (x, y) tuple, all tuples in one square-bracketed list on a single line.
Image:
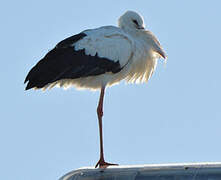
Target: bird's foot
[(102, 164)]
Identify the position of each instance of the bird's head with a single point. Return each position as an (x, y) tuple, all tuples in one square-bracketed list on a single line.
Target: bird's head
[(131, 21)]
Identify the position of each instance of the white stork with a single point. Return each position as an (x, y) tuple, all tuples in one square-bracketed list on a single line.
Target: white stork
[(97, 58)]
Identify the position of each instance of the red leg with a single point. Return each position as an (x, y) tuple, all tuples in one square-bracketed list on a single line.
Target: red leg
[(101, 163)]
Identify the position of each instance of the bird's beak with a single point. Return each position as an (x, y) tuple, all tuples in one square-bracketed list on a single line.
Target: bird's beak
[(162, 54)]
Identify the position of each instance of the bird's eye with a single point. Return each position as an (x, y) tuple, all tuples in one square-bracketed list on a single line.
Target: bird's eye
[(135, 22)]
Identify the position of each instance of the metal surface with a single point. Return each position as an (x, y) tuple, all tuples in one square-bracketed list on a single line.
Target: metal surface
[(188, 171)]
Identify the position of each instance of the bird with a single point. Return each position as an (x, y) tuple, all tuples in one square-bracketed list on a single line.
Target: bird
[(98, 58)]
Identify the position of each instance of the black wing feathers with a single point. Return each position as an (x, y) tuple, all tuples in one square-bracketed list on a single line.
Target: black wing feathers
[(70, 40), (63, 62)]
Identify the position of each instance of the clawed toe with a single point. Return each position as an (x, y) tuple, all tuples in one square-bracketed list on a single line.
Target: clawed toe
[(102, 164)]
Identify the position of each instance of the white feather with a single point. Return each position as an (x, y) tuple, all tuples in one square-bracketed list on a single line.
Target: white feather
[(109, 42)]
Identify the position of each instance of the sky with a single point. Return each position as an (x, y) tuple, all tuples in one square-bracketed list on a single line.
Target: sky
[(175, 118)]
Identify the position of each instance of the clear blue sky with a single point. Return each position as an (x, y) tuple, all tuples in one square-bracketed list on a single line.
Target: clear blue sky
[(176, 117)]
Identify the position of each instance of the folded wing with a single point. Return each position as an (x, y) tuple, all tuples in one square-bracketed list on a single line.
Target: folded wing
[(90, 53)]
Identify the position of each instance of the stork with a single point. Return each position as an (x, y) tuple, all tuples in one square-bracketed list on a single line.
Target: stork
[(97, 58)]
